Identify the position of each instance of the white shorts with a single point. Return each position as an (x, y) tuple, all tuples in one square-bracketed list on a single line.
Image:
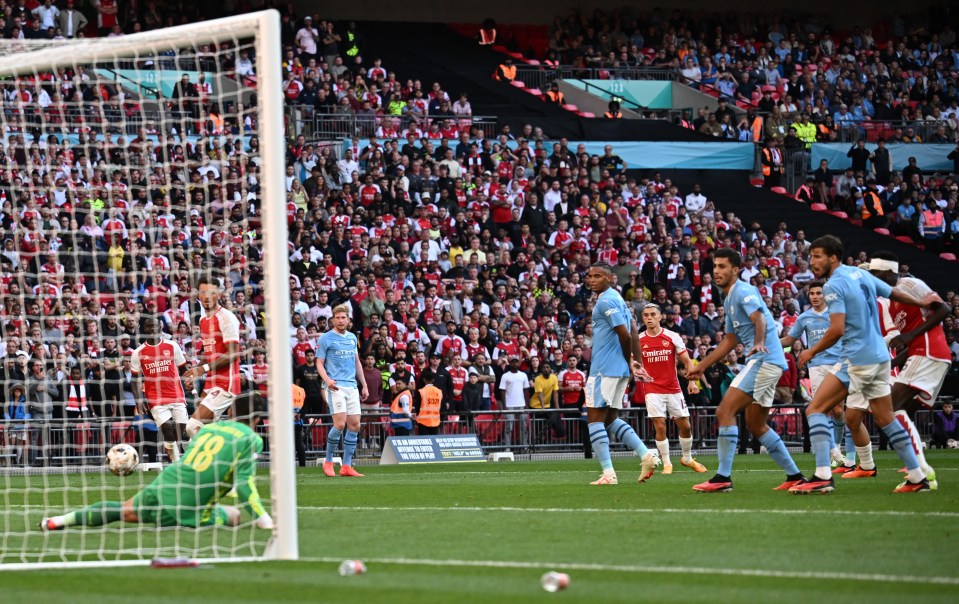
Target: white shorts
[(344, 400), (217, 400), (870, 380), (758, 380), (604, 392), (175, 411), (816, 375), (855, 400), (925, 375), (658, 405)]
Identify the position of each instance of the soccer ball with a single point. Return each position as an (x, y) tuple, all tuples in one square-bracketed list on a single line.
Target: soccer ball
[(122, 459)]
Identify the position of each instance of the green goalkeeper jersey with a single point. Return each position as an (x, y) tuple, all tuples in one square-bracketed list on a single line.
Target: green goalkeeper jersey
[(221, 456)]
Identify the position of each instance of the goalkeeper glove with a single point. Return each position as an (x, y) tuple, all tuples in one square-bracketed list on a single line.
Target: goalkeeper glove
[(265, 522)]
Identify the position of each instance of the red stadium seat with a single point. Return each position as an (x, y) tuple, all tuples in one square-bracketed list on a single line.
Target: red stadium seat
[(948, 256), (518, 84), (905, 239), (881, 231), (586, 114), (840, 214), (534, 91), (819, 207), (571, 107), (780, 190), (756, 181)]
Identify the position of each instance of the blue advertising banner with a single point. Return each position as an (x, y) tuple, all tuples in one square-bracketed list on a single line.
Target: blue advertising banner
[(929, 157), (432, 449)]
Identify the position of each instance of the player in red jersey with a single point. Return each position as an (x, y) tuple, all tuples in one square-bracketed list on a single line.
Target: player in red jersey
[(661, 349), (928, 355), (158, 363), (220, 332)]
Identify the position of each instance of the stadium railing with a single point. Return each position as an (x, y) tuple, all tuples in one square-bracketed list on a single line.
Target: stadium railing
[(539, 433), (305, 120)]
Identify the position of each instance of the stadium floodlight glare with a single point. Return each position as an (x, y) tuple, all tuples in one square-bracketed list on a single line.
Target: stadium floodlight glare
[(125, 180)]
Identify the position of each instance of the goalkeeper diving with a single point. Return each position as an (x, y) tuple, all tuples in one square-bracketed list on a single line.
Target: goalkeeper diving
[(221, 457)]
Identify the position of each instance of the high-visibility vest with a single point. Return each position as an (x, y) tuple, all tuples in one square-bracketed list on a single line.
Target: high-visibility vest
[(612, 115), (353, 50), (508, 71), (934, 225), (431, 398), (555, 97), (299, 397), (757, 128), (398, 417), (772, 156), (487, 36), (867, 207)]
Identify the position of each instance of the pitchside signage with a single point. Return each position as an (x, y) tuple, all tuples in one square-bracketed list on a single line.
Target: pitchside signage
[(432, 449)]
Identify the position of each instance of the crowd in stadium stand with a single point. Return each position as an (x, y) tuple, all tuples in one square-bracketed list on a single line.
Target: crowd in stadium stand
[(443, 246)]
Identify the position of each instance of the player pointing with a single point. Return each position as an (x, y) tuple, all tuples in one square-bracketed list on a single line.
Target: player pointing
[(220, 330), (187, 492), (615, 356), (338, 363), (158, 363), (661, 348), (850, 294), (747, 321)]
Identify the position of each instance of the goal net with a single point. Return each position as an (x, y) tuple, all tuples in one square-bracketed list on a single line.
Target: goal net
[(134, 172)]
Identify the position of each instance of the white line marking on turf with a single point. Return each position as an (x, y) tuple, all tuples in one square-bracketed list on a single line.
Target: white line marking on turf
[(671, 570), (896, 513)]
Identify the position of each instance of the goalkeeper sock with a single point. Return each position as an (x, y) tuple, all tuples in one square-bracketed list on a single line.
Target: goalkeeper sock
[(686, 444), (97, 514), (663, 447), (600, 441), (349, 447), (625, 434), (332, 442)]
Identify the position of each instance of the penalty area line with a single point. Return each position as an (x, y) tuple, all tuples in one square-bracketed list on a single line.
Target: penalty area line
[(664, 570), (893, 513)]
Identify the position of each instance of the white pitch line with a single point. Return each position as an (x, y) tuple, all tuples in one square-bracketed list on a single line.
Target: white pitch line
[(894, 513), (671, 570)]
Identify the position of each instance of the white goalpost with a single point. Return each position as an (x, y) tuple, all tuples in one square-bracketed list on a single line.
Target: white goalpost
[(131, 168)]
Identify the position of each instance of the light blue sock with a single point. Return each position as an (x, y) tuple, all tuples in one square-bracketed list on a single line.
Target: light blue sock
[(625, 434), (820, 438), (850, 448), (837, 430), (349, 447), (726, 443), (332, 442), (777, 450), (900, 441), (600, 441)]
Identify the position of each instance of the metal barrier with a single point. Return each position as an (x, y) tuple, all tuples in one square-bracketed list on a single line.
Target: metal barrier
[(314, 125), (527, 433)]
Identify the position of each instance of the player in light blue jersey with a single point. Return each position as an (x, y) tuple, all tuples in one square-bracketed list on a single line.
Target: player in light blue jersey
[(809, 328), (615, 356), (338, 363), (749, 322), (850, 294)]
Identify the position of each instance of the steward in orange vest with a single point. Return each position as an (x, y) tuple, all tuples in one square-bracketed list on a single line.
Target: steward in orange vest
[(614, 112), (431, 399), (772, 162), (873, 214), (401, 412), (553, 95), (506, 71)]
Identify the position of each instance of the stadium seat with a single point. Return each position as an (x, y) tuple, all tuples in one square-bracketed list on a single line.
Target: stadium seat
[(533, 62), (948, 256), (534, 91), (881, 231), (586, 114), (840, 214), (571, 107), (780, 190), (756, 181), (518, 84), (819, 207), (905, 239)]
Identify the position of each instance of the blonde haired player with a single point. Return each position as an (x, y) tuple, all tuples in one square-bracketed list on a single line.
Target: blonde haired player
[(220, 331), (661, 348)]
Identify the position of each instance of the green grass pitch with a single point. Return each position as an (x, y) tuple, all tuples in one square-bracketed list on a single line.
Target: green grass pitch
[(477, 533)]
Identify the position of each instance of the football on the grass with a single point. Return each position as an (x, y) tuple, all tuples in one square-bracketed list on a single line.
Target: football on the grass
[(122, 459)]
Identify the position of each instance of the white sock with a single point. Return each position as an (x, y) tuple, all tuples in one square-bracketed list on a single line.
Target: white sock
[(910, 427), (865, 457), (609, 472), (823, 472), (663, 447), (687, 446)]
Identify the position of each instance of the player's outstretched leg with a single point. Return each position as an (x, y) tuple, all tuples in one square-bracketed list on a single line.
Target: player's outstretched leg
[(625, 434), (916, 441), (98, 514)]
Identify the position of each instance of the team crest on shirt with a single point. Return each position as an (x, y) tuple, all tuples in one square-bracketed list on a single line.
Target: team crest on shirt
[(166, 353)]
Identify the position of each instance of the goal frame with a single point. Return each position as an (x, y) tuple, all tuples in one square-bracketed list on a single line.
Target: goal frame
[(264, 27)]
